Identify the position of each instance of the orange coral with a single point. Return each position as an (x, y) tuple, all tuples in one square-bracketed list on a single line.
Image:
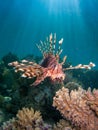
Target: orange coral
[(74, 107)]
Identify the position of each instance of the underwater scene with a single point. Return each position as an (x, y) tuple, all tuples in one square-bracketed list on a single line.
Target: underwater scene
[(48, 65)]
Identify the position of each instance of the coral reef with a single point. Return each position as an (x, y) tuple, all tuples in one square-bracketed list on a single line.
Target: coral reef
[(92, 99), (64, 125), (87, 78), (26, 119), (78, 106), (8, 125)]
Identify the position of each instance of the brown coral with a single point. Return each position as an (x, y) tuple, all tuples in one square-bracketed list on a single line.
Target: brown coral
[(74, 107), (64, 125), (28, 117)]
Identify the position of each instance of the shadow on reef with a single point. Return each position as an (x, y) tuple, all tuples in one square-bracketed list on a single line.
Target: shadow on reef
[(16, 92), (87, 78), (9, 58)]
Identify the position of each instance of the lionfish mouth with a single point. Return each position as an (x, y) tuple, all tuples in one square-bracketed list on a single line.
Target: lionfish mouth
[(50, 66)]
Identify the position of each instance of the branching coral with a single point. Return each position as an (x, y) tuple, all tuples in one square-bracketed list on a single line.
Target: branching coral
[(8, 125), (64, 125), (26, 119), (92, 99), (74, 107)]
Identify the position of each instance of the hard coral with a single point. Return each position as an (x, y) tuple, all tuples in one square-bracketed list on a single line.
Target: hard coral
[(26, 119), (8, 125), (92, 99), (74, 107), (64, 125), (30, 119)]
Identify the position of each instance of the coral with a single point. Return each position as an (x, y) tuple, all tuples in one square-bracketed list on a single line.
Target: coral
[(39, 98), (8, 125), (16, 91), (26, 119), (64, 125), (74, 107), (92, 99), (50, 66)]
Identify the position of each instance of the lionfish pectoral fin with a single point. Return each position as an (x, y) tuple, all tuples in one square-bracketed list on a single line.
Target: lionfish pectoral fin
[(37, 81), (27, 69), (41, 77)]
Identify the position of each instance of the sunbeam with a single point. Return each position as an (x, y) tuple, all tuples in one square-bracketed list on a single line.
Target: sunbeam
[(76, 20)]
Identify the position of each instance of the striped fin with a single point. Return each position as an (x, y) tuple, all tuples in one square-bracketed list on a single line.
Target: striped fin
[(28, 69)]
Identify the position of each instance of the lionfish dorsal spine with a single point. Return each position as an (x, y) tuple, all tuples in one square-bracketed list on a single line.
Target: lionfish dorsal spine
[(59, 51)]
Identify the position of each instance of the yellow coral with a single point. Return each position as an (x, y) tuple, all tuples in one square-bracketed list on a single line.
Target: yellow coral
[(28, 117)]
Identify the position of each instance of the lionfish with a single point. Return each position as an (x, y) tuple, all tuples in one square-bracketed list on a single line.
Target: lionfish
[(50, 66)]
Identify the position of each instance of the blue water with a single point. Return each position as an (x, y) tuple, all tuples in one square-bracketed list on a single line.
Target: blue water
[(25, 22)]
